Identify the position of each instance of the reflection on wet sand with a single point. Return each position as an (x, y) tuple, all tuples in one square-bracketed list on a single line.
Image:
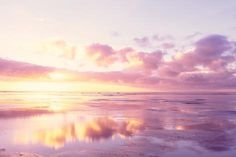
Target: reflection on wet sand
[(216, 135), (4, 154), (198, 124), (212, 133), (18, 113), (88, 131)]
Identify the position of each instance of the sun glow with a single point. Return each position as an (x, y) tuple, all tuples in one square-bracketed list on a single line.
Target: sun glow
[(58, 76), (42, 86), (66, 86)]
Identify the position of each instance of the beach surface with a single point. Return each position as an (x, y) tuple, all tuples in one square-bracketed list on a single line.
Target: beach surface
[(71, 124)]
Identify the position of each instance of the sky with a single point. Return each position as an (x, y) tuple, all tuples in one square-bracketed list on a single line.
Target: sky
[(125, 45)]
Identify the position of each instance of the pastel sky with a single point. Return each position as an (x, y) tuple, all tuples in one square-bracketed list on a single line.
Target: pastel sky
[(125, 45)]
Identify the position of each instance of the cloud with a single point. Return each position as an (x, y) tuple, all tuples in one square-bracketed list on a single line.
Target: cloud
[(143, 61), (13, 69), (207, 64), (143, 41), (102, 55), (213, 45), (167, 45), (59, 48), (164, 42), (210, 52)]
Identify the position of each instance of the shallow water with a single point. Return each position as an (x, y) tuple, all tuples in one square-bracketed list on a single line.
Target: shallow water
[(66, 124)]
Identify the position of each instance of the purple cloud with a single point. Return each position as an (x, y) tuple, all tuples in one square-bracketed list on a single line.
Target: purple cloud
[(164, 42)]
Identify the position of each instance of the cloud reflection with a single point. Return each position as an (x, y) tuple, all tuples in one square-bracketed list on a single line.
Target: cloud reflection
[(88, 131), (210, 132), (218, 138)]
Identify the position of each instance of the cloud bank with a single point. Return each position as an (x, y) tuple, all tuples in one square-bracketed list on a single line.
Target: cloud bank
[(210, 64)]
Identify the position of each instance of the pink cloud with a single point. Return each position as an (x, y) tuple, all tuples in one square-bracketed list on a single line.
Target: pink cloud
[(103, 55), (147, 62), (13, 69)]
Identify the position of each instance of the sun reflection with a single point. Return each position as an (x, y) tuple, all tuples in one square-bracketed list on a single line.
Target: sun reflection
[(180, 127), (87, 131), (55, 107)]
